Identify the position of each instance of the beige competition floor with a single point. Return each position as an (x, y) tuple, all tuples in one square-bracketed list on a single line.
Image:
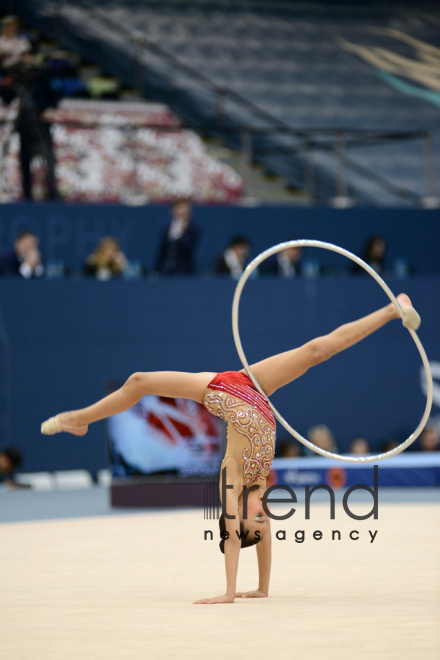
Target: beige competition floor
[(122, 587)]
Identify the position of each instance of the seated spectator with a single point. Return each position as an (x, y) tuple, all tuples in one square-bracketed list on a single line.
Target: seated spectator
[(107, 260), (10, 461), (284, 264), (374, 255), (359, 446), (321, 436), (289, 449), (429, 440), (390, 444), (25, 259), (12, 44), (234, 259), (177, 248)]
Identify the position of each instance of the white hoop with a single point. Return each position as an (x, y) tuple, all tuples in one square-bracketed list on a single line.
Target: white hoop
[(334, 248)]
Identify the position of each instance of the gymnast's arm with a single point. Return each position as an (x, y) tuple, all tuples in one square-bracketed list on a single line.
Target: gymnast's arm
[(264, 555), (233, 542)]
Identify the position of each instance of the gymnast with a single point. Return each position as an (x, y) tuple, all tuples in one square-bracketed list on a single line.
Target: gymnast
[(232, 396)]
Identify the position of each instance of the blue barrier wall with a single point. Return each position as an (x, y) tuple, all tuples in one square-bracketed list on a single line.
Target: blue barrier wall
[(71, 338), (71, 232)]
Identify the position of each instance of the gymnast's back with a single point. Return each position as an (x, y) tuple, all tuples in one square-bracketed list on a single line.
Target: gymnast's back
[(232, 396)]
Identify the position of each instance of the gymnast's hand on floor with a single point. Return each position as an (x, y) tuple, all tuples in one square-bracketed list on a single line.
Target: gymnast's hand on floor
[(251, 594), (215, 601)]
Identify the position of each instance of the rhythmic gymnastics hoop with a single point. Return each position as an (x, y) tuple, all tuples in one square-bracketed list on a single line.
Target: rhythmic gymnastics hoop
[(334, 248)]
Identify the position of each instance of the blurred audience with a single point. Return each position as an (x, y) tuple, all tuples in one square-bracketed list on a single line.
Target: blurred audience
[(234, 259), (25, 259), (429, 438), (284, 264), (359, 445), (374, 255), (10, 461), (107, 261), (289, 449), (390, 444), (12, 44), (321, 436), (179, 242)]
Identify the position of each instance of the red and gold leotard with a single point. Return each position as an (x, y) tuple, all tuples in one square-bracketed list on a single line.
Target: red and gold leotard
[(232, 396)]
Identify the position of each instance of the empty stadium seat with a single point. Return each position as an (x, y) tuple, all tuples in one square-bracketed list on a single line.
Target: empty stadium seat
[(104, 477), (37, 480), (73, 479), (119, 151), (291, 59)]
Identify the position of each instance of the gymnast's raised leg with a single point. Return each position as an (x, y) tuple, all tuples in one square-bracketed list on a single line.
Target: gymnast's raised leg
[(272, 373)]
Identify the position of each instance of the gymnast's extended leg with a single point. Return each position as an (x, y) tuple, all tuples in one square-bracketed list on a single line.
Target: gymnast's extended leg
[(161, 383), (274, 372)]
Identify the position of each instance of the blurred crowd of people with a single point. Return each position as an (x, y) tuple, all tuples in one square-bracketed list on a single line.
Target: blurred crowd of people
[(321, 436), (177, 256), (11, 458)]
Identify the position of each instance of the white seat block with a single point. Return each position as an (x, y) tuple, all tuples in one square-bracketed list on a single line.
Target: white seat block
[(37, 480), (73, 479)]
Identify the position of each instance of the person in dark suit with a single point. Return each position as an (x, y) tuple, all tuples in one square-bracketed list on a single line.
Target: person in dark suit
[(284, 264), (25, 259), (234, 259), (374, 255), (179, 242), (38, 92)]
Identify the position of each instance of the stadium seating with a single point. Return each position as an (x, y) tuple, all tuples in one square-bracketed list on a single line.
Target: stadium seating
[(298, 62), (123, 152)]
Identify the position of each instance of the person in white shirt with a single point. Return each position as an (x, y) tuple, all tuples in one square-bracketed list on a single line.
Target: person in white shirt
[(234, 259), (285, 264), (12, 44)]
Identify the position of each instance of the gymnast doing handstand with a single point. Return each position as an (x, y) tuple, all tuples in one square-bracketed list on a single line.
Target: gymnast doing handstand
[(232, 396)]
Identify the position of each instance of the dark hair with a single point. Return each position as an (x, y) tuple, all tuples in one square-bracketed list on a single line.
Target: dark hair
[(239, 240), (369, 246), (23, 233), (14, 456), (246, 542)]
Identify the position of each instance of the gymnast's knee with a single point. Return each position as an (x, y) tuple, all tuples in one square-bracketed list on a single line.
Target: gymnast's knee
[(135, 384)]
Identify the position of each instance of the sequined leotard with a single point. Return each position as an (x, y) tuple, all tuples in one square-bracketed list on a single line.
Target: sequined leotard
[(232, 396)]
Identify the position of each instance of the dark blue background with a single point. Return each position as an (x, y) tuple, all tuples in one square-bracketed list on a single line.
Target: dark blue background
[(70, 338), (71, 232)]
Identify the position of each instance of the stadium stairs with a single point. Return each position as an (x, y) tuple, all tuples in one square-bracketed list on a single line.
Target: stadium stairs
[(282, 66)]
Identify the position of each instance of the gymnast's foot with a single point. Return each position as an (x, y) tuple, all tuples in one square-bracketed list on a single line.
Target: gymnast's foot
[(64, 422), (411, 319)]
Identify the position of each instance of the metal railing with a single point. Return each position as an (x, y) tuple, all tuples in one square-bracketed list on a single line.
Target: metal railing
[(240, 122), (335, 144)]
